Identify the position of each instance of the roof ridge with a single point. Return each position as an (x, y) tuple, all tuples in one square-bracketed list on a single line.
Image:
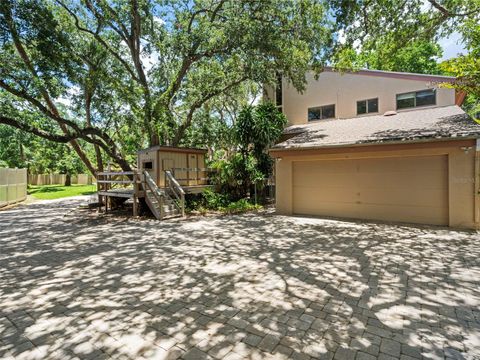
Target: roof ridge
[(387, 73)]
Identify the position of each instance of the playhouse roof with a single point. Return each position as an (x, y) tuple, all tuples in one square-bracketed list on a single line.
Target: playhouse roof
[(172, 149)]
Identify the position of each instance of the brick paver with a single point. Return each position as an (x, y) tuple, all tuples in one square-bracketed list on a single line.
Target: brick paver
[(75, 285)]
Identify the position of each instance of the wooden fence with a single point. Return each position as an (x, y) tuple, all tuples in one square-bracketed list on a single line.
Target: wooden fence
[(58, 179), (13, 186)]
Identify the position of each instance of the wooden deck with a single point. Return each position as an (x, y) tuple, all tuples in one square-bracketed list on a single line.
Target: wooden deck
[(134, 185), (125, 193)]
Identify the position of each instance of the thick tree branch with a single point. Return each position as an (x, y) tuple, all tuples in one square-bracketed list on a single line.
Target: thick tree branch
[(198, 104), (448, 14), (188, 60), (23, 95), (122, 31), (38, 132), (100, 40), (26, 59)]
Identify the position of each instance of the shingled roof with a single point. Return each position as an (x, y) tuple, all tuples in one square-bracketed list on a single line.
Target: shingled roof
[(406, 126)]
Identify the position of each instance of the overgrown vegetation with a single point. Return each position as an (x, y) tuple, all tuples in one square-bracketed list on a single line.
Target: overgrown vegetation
[(242, 163), (110, 77), (214, 201), (245, 162)]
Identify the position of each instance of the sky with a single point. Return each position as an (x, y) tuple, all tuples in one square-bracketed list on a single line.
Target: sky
[(452, 46)]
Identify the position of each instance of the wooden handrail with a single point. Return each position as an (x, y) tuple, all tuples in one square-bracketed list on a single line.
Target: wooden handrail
[(117, 181), (117, 173), (195, 169), (159, 196), (175, 187)]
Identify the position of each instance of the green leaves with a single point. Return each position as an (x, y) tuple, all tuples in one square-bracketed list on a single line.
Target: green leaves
[(398, 35), (259, 127)]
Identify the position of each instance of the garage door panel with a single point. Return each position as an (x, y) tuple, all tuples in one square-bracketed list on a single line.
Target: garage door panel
[(411, 189), (330, 194), (433, 216), (416, 197), (371, 196), (425, 180)]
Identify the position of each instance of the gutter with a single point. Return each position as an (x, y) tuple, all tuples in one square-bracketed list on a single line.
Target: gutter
[(276, 152)]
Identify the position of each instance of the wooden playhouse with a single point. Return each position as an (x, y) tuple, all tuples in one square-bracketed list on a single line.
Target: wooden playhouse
[(164, 175), (187, 166)]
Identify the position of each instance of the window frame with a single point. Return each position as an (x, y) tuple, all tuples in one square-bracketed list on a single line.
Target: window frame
[(415, 99), (278, 93), (366, 106), (321, 112)]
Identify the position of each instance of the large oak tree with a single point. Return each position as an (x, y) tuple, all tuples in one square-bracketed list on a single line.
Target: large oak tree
[(117, 75)]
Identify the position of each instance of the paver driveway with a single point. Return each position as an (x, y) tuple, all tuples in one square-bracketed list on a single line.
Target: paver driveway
[(237, 287)]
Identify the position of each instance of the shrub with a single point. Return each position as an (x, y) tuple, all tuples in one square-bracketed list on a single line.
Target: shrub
[(213, 201), (240, 206)]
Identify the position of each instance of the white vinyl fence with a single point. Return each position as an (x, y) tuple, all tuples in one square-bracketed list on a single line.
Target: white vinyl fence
[(58, 179), (13, 186)]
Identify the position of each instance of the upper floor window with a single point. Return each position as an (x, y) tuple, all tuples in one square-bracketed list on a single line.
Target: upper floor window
[(321, 112), (416, 98), (367, 106), (278, 92)]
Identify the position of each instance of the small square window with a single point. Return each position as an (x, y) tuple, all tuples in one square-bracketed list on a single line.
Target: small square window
[(367, 106), (405, 101), (426, 97), (361, 107), (372, 105), (328, 112), (314, 114), (148, 165)]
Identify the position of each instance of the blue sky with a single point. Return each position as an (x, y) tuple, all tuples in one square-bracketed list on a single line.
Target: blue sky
[(452, 46)]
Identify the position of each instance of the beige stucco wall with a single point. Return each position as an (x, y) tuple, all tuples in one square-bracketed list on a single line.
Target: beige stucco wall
[(344, 90), (463, 201)]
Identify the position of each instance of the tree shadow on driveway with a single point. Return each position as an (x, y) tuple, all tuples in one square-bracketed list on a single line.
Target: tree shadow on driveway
[(246, 286)]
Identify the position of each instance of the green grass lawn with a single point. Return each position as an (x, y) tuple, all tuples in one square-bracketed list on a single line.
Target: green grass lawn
[(49, 192)]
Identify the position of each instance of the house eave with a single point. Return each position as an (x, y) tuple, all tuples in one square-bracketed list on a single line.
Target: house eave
[(278, 152)]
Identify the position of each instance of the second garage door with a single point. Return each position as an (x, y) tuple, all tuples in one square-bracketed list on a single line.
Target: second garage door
[(407, 189)]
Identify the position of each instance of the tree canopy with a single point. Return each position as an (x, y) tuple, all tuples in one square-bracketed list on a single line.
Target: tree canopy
[(119, 75), (398, 35), (111, 76)]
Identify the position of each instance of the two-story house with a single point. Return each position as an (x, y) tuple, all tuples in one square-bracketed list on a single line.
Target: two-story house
[(377, 145)]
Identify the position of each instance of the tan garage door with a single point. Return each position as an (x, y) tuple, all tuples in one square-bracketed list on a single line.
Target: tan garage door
[(410, 189)]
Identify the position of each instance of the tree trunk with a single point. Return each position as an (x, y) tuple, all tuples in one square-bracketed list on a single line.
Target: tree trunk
[(88, 120), (50, 104), (68, 180)]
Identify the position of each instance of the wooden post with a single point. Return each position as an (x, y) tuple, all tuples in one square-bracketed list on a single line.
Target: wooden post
[(135, 193), (162, 210), (182, 203), (98, 195), (135, 210)]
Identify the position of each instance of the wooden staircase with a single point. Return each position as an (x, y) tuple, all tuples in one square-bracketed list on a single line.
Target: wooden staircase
[(164, 203)]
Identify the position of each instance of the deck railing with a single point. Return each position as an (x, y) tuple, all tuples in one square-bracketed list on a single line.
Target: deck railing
[(176, 190), (109, 180), (157, 194), (193, 176), (120, 184)]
